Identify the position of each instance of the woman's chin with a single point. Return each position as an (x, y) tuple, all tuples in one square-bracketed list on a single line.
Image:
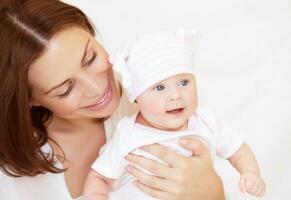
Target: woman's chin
[(111, 108)]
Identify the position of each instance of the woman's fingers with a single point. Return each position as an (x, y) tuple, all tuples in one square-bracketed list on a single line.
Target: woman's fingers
[(162, 152), (195, 145), (182, 177), (176, 160), (159, 194), (153, 182), (152, 166)]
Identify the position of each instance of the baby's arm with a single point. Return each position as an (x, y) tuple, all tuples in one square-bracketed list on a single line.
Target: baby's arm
[(97, 186), (245, 162)]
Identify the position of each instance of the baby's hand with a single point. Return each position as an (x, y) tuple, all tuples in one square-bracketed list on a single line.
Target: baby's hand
[(253, 184)]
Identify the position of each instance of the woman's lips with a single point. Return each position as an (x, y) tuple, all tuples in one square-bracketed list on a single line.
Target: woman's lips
[(103, 102)]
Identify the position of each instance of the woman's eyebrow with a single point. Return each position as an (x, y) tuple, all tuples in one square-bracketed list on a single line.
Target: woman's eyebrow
[(82, 61)]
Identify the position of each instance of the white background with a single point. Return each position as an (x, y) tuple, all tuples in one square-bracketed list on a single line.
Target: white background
[(244, 60)]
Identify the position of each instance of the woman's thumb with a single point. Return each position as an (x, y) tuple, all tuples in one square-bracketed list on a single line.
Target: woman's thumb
[(194, 145)]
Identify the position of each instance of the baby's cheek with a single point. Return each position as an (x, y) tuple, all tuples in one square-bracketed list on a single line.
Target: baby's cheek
[(155, 108)]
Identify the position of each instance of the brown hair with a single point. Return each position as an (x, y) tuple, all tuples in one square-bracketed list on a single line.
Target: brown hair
[(26, 26)]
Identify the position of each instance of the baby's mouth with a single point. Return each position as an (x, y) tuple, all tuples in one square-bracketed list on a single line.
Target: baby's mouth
[(175, 111)]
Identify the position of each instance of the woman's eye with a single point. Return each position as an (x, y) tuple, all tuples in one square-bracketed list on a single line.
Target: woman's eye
[(65, 94), (159, 87), (184, 82), (92, 59)]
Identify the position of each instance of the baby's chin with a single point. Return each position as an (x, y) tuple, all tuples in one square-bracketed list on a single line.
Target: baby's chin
[(173, 127)]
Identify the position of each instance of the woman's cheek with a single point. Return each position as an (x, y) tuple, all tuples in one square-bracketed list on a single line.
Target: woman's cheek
[(65, 107)]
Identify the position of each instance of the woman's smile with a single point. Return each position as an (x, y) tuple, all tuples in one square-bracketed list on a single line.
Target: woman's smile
[(103, 101)]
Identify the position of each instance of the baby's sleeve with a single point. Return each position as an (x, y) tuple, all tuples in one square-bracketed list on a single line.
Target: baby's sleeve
[(111, 162), (228, 140)]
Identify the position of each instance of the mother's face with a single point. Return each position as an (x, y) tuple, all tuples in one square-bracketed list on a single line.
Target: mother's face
[(73, 77)]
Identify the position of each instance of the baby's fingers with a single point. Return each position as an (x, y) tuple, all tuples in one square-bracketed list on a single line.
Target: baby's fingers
[(242, 184), (256, 188), (252, 187), (261, 190)]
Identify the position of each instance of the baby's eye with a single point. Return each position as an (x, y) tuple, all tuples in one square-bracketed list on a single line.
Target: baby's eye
[(184, 82), (159, 87)]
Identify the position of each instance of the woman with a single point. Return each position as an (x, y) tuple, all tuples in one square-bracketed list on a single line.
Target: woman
[(58, 98)]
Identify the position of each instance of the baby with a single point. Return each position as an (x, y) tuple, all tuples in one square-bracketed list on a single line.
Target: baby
[(158, 75)]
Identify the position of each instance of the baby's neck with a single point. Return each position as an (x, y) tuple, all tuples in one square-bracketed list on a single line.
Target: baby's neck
[(141, 120)]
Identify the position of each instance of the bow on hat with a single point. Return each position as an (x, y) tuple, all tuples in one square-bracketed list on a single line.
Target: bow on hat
[(119, 65), (186, 34)]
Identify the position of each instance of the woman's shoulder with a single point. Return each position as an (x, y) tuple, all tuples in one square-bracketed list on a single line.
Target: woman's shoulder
[(43, 186)]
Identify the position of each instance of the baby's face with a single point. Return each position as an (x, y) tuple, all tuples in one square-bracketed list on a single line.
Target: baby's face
[(168, 104)]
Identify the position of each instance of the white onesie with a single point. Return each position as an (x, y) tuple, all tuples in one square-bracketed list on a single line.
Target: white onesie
[(129, 136)]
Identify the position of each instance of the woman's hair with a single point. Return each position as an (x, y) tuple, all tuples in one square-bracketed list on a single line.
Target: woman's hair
[(26, 26)]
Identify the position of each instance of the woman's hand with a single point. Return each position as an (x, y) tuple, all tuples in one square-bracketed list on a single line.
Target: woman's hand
[(187, 178)]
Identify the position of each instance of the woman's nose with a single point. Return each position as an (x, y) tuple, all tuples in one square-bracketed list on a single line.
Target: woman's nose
[(91, 87)]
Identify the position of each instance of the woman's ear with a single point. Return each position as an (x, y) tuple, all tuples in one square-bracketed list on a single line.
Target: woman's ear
[(33, 103)]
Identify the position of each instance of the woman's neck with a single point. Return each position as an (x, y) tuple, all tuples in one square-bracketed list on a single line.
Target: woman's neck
[(76, 134), (72, 125), (80, 142)]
